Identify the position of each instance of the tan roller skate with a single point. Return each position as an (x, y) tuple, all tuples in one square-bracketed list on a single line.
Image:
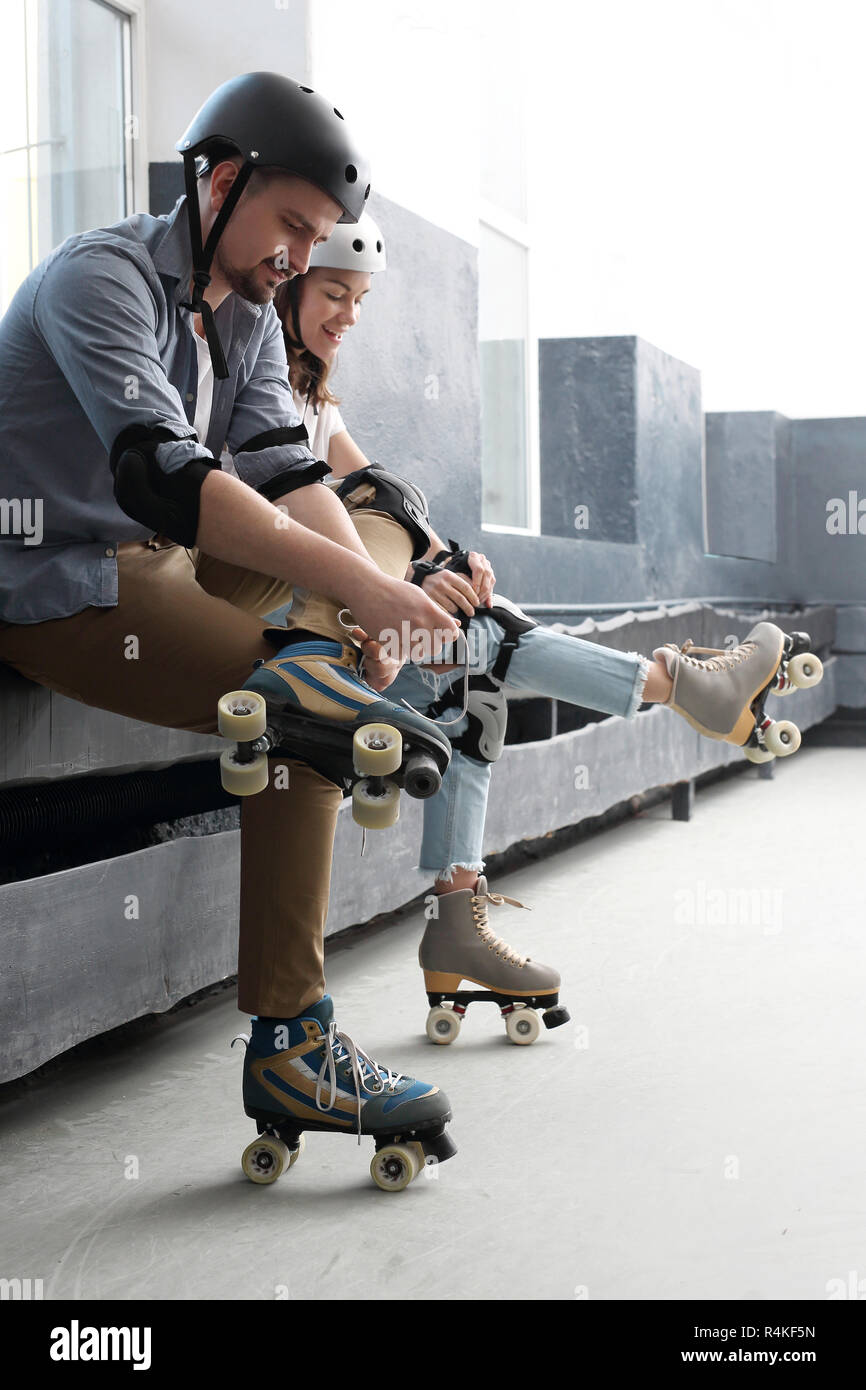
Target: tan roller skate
[(459, 946), (722, 692)]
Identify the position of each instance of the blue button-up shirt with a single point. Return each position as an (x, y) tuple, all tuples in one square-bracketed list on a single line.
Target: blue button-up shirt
[(94, 341)]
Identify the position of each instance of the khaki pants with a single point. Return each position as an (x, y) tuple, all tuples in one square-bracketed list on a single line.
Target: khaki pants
[(198, 636)]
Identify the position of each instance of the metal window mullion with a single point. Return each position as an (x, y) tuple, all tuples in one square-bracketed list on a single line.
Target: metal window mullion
[(532, 408), (29, 146)]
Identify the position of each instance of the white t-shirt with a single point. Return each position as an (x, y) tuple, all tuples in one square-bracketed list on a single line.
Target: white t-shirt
[(321, 424), (204, 398)]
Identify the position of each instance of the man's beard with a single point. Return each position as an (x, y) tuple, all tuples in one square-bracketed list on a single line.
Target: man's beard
[(243, 282)]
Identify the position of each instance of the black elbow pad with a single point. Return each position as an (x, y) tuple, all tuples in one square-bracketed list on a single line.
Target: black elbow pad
[(299, 473), (168, 503)]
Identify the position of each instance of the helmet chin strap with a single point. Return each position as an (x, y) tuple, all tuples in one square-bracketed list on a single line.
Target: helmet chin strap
[(202, 256)]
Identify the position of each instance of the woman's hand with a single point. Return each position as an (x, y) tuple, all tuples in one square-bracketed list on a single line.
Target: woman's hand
[(380, 669), (451, 591), (483, 577)]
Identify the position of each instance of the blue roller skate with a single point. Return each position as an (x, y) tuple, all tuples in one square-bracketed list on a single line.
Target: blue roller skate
[(308, 702), (304, 1074)]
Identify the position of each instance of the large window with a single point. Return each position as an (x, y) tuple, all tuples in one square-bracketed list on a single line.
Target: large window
[(67, 127), (502, 331), (507, 344)]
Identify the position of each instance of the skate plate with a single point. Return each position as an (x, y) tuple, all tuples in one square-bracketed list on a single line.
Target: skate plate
[(522, 1024), (798, 668), (399, 1158), (374, 760)]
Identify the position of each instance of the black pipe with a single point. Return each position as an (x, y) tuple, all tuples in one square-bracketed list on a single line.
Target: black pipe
[(33, 813)]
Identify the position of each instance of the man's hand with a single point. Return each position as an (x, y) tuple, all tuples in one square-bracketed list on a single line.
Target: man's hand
[(401, 616)]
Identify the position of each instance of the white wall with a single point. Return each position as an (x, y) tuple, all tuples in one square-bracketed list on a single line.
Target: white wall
[(406, 77), (698, 180), (194, 45)]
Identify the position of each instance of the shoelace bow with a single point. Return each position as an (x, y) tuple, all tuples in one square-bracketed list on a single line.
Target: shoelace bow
[(485, 931), (720, 660), (340, 1048)]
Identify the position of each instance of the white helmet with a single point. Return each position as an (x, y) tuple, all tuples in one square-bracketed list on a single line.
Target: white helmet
[(352, 246)]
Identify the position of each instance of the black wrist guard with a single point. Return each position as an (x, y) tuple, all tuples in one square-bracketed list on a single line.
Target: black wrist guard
[(421, 569), (453, 559)]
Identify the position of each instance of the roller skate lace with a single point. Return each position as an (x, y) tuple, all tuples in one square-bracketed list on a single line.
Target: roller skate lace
[(719, 660), (482, 926), (367, 1075)]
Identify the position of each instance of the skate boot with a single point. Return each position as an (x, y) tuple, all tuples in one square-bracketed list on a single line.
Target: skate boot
[(304, 1074), (308, 702), (723, 695), (460, 945)]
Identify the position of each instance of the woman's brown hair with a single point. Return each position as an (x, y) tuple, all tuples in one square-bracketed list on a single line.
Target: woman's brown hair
[(308, 374)]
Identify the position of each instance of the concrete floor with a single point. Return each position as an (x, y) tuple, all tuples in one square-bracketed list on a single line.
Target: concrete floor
[(698, 1131)]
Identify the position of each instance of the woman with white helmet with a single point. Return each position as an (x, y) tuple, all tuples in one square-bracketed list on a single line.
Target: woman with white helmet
[(507, 648)]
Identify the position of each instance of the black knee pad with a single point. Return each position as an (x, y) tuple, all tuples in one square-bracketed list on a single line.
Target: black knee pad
[(487, 712), (166, 502), (514, 623), (375, 487)]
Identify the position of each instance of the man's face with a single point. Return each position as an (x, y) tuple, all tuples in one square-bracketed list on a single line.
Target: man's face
[(271, 233)]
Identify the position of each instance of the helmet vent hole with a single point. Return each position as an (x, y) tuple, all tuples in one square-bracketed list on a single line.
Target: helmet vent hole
[(379, 247), (367, 191), (351, 173), (339, 113), (358, 245), (308, 89)]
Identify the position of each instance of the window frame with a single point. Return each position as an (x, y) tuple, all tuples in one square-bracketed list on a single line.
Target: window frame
[(135, 152), (515, 229)]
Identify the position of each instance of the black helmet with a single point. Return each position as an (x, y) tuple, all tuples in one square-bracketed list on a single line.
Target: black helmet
[(272, 121)]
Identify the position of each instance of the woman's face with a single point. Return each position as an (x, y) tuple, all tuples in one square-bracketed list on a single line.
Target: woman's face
[(330, 304)]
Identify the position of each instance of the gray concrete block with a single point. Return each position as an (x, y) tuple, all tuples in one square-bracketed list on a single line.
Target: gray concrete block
[(827, 486), (851, 628), (670, 446), (741, 484), (851, 685), (587, 443)]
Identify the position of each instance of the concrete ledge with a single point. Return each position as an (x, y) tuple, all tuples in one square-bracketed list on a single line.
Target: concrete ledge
[(75, 965), (45, 735)]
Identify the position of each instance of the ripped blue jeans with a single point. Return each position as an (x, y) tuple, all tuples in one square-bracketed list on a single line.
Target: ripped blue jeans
[(548, 663)]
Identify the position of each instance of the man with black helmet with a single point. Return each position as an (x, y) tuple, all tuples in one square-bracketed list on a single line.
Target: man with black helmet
[(127, 359)]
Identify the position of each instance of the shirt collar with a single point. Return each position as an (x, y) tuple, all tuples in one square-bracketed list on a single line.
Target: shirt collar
[(173, 259)]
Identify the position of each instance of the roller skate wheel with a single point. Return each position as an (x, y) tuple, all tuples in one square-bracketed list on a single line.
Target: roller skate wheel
[(782, 738), (805, 670), (759, 755), (443, 1025), (375, 810), (266, 1158), (523, 1026), (295, 1153), (243, 779), (394, 1167), (242, 715), (377, 750)]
